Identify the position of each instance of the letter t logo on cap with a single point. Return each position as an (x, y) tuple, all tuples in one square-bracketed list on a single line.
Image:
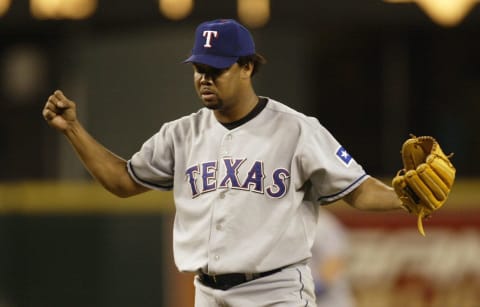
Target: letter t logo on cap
[(208, 34)]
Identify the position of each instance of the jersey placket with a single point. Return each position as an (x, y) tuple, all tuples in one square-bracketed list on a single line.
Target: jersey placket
[(218, 234)]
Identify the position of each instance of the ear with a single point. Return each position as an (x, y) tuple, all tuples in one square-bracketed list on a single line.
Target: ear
[(247, 70)]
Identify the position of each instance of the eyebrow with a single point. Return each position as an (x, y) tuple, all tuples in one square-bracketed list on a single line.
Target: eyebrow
[(209, 70)]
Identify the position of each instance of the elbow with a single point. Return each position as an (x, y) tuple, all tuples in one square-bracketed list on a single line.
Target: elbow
[(118, 192), (123, 194), (121, 191), (123, 187)]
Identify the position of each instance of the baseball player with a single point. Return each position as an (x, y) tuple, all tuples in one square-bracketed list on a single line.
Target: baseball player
[(247, 172), (329, 262)]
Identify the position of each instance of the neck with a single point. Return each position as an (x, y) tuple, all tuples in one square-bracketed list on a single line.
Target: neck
[(238, 109)]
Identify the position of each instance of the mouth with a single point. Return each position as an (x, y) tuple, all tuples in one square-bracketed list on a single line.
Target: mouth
[(207, 94)]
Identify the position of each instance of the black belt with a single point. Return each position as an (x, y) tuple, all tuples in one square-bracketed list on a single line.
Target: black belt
[(227, 281)]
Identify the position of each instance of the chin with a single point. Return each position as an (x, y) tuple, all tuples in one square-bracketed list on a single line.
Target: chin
[(212, 105)]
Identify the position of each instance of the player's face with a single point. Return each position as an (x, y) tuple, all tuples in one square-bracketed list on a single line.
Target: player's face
[(217, 88)]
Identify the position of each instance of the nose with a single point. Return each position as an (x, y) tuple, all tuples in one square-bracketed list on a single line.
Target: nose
[(205, 78)]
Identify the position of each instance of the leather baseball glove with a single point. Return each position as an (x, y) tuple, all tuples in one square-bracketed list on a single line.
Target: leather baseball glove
[(427, 178)]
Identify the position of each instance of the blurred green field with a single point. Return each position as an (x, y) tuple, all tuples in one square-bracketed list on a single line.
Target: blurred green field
[(83, 197)]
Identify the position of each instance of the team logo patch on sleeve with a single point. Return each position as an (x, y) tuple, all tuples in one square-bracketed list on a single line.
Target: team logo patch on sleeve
[(343, 156)]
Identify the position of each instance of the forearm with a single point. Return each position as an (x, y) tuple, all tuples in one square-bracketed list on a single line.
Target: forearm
[(373, 194), (107, 168)]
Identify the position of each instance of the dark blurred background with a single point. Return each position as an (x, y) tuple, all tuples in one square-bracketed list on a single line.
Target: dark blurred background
[(371, 71)]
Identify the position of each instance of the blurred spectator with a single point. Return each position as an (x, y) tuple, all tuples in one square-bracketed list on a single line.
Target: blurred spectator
[(328, 263)]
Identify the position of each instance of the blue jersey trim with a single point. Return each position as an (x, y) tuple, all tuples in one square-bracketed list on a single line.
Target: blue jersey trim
[(144, 182), (333, 197)]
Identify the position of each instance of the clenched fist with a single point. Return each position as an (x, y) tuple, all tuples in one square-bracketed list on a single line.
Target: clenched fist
[(59, 111)]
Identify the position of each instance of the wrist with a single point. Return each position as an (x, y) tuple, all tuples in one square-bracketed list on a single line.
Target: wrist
[(73, 129)]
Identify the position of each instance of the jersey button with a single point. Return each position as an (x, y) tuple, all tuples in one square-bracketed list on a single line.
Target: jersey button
[(219, 226), (217, 257)]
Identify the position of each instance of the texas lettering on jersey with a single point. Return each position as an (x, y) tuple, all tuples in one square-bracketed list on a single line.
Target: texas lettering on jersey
[(204, 177)]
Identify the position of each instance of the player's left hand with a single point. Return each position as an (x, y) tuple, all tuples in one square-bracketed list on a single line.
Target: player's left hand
[(424, 183)]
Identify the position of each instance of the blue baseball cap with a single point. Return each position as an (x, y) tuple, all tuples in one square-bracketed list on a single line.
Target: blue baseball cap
[(219, 43)]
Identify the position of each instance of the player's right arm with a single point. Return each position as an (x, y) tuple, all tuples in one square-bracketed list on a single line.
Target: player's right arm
[(106, 167)]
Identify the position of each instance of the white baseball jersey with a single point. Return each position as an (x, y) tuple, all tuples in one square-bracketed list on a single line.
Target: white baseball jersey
[(245, 198)]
